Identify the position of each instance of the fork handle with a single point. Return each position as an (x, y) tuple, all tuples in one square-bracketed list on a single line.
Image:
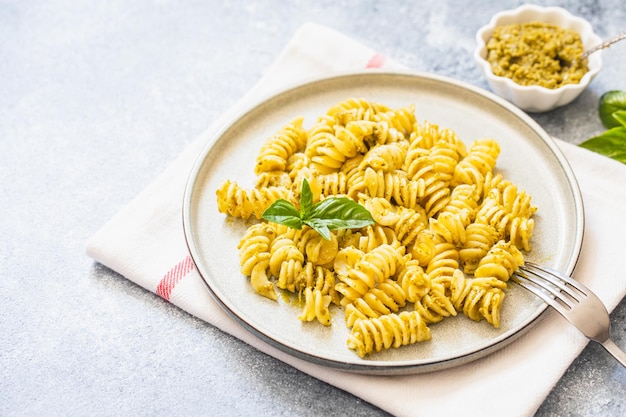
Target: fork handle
[(614, 350)]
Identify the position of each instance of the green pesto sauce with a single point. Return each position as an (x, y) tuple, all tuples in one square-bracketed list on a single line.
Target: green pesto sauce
[(537, 54)]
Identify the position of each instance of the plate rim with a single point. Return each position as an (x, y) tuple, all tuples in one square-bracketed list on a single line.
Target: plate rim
[(378, 368)]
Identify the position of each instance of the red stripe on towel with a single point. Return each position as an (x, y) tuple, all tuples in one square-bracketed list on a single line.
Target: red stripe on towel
[(173, 276), (376, 61)]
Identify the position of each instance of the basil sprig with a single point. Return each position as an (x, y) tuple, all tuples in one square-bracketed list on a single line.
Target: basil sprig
[(329, 214), (612, 142)]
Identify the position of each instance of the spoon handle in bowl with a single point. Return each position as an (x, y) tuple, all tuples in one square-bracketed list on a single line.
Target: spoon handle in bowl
[(604, 44)]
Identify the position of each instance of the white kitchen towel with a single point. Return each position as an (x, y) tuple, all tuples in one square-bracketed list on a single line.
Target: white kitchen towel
[(145, 243)]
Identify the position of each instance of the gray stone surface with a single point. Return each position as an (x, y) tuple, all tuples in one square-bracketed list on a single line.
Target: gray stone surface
[(96, 99)]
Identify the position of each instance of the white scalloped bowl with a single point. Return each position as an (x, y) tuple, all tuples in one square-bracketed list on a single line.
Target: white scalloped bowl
[(537, 98)]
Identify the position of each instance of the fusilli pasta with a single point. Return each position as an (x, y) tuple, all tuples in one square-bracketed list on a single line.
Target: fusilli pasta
[(449, 230)]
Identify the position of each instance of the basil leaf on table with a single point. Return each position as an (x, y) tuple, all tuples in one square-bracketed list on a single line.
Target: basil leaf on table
[(611, 143), (329, 214), (611, 102), (620, 116)]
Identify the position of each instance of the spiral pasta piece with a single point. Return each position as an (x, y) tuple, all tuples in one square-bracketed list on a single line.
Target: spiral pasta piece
[(316, 306), (386, 298), (373, 268), (436, 194), (509, 213), (480, 159), (346, 259), (319, 135), (443, 264), (518, 203), (445, 156), (521, 231), (401, 119), (382, 210), (318, 250), (479, 239), (357, 109), (384, 134), (295, 163), (349, 139), (374, 236), (382, 262), (255, 244), (449, 227), (424, 247), (387, 157), (353, 314), (276, 151), (238, 202), (405, 223), (440, 160), (254, 255), (273, 179), (328, 152), (478, 298), (286, 262), (334, 183), (502, 260), (391, 330), (414, 281), (493, 213), (435, 305), (319, 278), (463, 202), (433, 168), (394, 186), (518, 206), (425, 135)]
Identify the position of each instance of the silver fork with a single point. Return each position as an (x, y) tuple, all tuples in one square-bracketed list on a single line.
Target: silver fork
[(577, 303)]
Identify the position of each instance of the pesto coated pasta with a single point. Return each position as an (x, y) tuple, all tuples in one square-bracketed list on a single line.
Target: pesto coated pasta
[(449, 231)]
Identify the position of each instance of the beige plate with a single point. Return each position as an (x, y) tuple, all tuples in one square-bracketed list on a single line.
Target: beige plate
[(529, 157)]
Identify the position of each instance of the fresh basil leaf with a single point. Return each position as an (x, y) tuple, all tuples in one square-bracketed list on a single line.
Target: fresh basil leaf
[(329, 214), (611, 143), (306, 199), (337, 213), (342, 213), (334, 224), (319, 226), (283, 212), (620, 116), (610, 102)]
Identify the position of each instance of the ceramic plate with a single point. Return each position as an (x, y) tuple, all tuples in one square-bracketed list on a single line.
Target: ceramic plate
[(529, 158)]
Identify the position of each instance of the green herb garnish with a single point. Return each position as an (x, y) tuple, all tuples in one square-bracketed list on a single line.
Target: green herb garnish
[(612, 142), (329, 214), (611, 102)]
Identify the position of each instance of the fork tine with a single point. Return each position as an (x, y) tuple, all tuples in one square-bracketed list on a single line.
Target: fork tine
[(522, 281), (579, 305), (559, 275), (542, 290), (546, 279)]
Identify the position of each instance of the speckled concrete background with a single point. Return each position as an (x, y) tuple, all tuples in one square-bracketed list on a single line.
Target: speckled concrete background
[(96, 99)]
